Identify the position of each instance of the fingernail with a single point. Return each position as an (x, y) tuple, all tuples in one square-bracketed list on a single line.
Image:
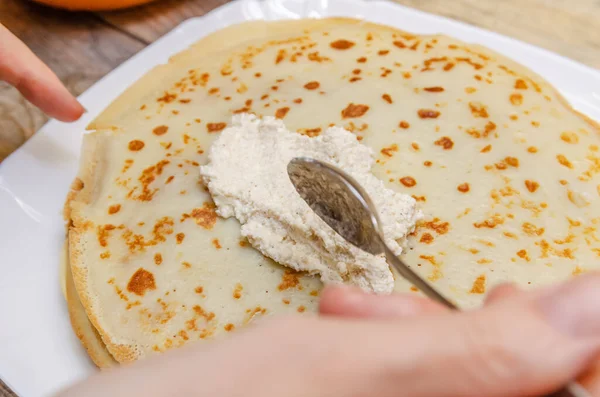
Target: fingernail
[(574, 308)]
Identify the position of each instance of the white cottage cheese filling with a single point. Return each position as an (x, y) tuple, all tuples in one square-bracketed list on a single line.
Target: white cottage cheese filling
[(247, 178)]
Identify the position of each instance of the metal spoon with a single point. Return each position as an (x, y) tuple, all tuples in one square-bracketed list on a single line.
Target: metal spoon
[(344, 205)]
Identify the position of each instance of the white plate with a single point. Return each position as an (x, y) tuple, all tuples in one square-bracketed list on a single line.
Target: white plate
[(38, 352)]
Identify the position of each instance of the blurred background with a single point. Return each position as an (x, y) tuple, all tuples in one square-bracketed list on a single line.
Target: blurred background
[(90, 39)]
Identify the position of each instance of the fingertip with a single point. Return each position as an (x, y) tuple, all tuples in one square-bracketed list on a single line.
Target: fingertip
[(335, 299), (501, 291), (71, 112)]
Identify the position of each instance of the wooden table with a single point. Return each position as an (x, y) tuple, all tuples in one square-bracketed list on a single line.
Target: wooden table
[(83, 47)]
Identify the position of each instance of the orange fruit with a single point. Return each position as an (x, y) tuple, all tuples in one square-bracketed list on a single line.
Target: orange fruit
[(93, 5)]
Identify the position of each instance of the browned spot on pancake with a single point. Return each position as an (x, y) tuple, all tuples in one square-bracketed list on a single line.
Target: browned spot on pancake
[(185, 100), (341, 44), (241, 110), (532, 186), (113, 209), (491, 222), (470, 90), (160, 130), (523, 255), (281, 54), (216, 243), (315, 57), (486, 149), (136, 145), (314, 292), (388, 151), (167, 98), (404, 124), (520, 84), (532, 149), (478, 285), (448, 66), (399, 44), (243, 243), (237, 291), (512, 161), (383, 52), (169, 179), (105, 255), (478, 110), (141, 282), (352, 111), (415, 146), (516, 99), (215, 127), (434, 89), (354, 79), (436, 225), (387, 98), (286, 301), (475, 65), (158, 259), (298, 100), (445, 142), (463, 188), (199, 290), (312, 85), (531, 230), (229, 327), (426, 238), (408, 181), (257, 74), (312, 132), (146, 178), (205, 216), (419, 198), (577, 271), (104, 234), (361, 60), (290, 279), (569, 137), (281, 112), (187, 265), (208, 316), (428, 113), (301, 309), (564, 161), (179, 237)]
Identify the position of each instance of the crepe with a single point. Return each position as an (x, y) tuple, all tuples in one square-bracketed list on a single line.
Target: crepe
[(504, 170)]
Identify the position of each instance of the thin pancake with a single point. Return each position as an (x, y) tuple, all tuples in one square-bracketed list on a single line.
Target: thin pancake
[(505, 170)]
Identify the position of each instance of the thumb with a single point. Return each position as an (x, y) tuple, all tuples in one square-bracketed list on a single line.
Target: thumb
[(352, 302), (529, 344)]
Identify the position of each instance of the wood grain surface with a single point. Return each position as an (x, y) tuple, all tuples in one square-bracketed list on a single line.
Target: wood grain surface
[(83, 47)]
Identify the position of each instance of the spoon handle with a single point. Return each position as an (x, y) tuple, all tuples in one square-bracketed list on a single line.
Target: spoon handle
[(573, 389), (416, 280)]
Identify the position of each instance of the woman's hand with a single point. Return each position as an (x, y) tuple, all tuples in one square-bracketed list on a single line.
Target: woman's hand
[(520, 344), (503, 350), (20, 68)]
